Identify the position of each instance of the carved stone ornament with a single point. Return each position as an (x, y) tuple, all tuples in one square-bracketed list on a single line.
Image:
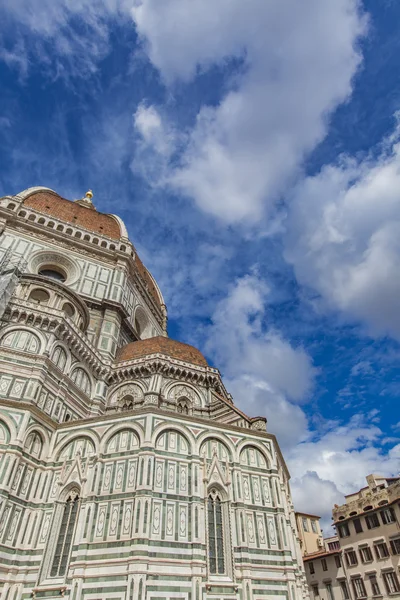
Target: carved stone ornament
[(151, 398), (132, 390), (184, 391), (44, 258), (259, 424)]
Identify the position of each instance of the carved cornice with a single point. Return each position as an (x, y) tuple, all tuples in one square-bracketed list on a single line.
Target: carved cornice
[(55, 321), (59, 287), (377, 499), (167, 366)]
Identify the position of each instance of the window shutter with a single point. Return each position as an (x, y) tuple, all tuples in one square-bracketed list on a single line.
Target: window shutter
[(383, 517), (368, 522), (393, 547)]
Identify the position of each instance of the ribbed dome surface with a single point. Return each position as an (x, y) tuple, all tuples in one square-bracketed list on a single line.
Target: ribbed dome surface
[(54, 205), (161, 345)]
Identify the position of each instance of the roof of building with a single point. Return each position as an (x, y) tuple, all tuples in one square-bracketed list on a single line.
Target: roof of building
[(303, 514), (86, 216), (82, 213), (161, 345), (321, 554)]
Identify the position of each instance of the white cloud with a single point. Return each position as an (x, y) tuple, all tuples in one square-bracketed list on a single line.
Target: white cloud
[(298, 61), (155, 143), (268, 376), (344, 238), (264, 373), (242, 346), (324, 469), (316, 496), (71, 52)]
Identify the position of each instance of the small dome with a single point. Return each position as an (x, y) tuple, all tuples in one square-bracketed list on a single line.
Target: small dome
[(161, 345)]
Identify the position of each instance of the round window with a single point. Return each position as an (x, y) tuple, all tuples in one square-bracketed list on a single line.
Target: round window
[(39, 296), (54, 265), (68, 309), (52, 273)]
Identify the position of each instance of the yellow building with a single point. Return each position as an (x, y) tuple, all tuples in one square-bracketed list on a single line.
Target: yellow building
[(310, 533)]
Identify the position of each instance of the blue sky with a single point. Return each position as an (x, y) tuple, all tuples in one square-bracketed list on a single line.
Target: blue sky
[(253, 151)]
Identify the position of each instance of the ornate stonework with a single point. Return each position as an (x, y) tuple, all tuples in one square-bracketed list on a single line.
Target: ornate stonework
[(126, 470)]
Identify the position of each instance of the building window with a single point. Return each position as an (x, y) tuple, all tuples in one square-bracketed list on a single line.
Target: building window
[(68, 309), (343, 530), (65, 536), (33, 444), (39, 296), (324, 565), (315, 591), (314, 526), (312, 569), (358, 525), (366, 554), (329, 591), (388, 516), (395, 546), (391, 582), (338, 562), (21, 340), (53, 273), (359, 588), (59, 358), (351, 558), (81, 380), (333, 545), (374, 585), (215, 534), (381, 550), (345, 590), (305, 524), (372, 521)]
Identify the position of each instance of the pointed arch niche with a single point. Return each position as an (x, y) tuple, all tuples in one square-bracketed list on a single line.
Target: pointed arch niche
[(63, 530), (217, 458)]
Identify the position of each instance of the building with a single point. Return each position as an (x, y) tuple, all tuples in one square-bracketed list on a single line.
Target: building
[(368, 526), (325, 572), (126, 471), (310, 534)]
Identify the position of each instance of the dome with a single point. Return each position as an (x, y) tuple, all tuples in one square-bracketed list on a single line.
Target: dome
[(161, 345), (83, 215)]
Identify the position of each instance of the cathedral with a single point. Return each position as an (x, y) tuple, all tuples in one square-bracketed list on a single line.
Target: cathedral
[(126, 470)]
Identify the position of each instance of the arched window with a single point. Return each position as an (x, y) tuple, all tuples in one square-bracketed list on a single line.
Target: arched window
[(216, 559), (39, 296), (21, 340), (183, 406), (53, 273), (68, 309), (65, 535), (81, 379), (126, 403), (59, 358), (33, 444)]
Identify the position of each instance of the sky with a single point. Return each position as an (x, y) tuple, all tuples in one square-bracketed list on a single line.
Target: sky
[(253, 151)]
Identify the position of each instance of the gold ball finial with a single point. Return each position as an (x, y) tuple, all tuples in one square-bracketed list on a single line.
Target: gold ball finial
[(89, 194)]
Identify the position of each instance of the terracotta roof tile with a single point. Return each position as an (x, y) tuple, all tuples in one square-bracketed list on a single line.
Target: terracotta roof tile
[(147, 279), (161, 345), (52, 204)]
